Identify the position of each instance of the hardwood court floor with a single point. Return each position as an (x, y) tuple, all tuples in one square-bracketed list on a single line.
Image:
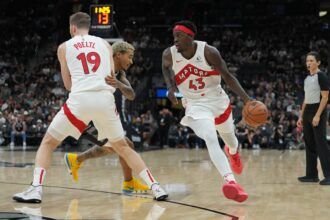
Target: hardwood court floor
[(270, 178)]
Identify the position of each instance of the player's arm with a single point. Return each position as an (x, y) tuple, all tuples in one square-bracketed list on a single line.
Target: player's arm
[(214, 59), (168, 75), (122, 84), (65, 72), (325, 86), (125, 87)]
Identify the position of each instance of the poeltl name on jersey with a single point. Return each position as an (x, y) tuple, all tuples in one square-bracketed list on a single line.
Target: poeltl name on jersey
[(84, 44)]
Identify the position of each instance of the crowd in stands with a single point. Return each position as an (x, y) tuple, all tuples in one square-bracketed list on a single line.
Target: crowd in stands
[(264, 53)]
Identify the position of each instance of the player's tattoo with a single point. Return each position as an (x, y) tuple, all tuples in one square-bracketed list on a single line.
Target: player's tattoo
[(125, 87), (94, 152)]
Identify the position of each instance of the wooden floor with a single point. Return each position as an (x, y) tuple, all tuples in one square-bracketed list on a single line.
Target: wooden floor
[(270, 178)]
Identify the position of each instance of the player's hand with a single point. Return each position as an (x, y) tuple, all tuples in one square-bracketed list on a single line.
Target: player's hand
[(247, 100), (112, 81), (316, 120), (299, 123), (171, 95)]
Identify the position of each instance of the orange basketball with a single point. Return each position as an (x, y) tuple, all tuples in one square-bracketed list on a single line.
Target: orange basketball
[(255, 113)]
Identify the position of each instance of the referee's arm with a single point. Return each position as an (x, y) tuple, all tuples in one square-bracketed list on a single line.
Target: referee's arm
[(324, 85), (299, 122)]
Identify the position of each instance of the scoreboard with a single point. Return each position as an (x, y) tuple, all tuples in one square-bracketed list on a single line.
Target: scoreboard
[(101, 17)]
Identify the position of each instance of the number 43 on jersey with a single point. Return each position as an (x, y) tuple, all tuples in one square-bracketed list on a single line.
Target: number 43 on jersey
[(196, 84)]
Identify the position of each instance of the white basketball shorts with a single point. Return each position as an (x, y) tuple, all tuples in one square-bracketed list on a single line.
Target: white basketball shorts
[(80, 109), (218, 110)]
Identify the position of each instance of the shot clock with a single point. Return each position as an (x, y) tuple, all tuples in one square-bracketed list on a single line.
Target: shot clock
[(101, 17)]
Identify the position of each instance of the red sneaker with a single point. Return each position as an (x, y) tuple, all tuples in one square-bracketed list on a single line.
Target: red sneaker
[(234, 191), (235, 161)]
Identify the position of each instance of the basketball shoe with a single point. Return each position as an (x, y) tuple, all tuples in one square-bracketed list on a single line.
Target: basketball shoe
[(235, 161), (134, 185), (72, 164), (31, 195), (159, 192), (234, 191)]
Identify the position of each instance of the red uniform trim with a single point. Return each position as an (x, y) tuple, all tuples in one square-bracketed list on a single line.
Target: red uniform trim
[(150, 177), (224, 116), (41, 176), (80, 125)]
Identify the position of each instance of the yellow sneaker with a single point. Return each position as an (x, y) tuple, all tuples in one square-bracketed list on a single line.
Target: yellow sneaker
[(72, 164), (134, 186)]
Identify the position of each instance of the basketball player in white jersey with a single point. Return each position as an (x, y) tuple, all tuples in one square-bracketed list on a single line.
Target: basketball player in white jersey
[(195, 69), (85, 63), (123, 54)]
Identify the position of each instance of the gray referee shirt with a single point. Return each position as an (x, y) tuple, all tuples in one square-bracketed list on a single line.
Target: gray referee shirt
[(313, 85)]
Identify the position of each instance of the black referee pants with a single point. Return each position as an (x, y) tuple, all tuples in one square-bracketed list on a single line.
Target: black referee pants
[(316, 142)]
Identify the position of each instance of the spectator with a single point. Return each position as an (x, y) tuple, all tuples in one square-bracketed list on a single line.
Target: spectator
[(183, 137), (242, 135), (164, 121), (173, 135), (18, 128), (39, 129), (279, 138)]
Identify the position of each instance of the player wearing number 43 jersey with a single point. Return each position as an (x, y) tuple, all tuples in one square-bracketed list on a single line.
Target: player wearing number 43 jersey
[(86, 61), (195, 69)]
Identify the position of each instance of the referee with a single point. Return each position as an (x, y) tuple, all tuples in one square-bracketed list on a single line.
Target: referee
[(313, 119)]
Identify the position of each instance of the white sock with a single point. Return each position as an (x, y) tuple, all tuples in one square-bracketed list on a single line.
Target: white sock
[(148, 178), (38, 176), (229, 177)]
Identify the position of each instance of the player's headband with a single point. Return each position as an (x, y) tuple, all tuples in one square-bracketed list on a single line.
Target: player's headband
[(184, 29)]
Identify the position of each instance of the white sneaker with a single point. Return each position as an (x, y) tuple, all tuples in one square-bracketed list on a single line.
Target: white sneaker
[(24, 145), (31, 195), (159, 192), (12, 145)]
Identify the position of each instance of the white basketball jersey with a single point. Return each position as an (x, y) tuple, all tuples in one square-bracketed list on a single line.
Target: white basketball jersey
[(195, 78), (88, 59)]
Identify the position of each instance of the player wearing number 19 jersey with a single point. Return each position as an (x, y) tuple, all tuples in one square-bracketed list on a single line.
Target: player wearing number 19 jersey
[(85, 63), (195, 69)]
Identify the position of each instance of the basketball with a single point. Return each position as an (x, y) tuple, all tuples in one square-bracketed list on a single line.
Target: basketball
[(255, 113)]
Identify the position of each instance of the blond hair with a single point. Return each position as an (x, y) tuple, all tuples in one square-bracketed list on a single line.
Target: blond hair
[(122, 47), (81, 20)]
